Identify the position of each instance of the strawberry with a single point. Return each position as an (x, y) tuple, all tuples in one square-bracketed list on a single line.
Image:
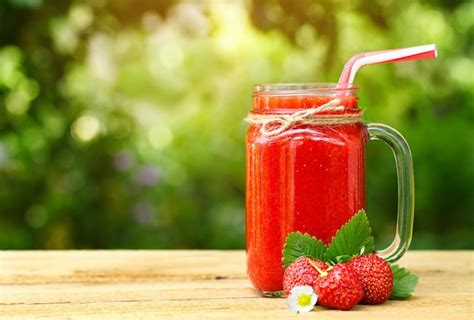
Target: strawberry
[(302, 272), (339, 287), (376, 277)]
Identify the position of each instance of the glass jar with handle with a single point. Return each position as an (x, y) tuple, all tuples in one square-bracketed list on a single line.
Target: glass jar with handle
[(305, 154)]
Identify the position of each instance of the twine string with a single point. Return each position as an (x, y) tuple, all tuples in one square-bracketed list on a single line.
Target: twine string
[(274, 124)]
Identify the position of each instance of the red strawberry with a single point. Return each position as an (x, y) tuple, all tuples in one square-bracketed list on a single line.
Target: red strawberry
[(339, 288), (302, 272), (376, 277)]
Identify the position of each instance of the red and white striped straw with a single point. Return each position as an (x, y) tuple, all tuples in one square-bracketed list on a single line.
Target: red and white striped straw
[(387, 56)]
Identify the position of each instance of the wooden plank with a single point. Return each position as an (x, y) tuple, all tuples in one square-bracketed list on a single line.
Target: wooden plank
[(200, 285), (120, 265)]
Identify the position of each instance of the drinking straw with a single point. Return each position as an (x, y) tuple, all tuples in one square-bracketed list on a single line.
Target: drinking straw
[(386, 56)]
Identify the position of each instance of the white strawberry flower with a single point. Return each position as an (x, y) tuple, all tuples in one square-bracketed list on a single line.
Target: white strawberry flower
[(302, 299)]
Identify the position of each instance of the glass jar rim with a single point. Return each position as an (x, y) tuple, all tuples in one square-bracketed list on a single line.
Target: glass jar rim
[(298, 89)]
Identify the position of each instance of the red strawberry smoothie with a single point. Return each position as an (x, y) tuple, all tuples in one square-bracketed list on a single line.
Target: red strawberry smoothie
[(309, 178)]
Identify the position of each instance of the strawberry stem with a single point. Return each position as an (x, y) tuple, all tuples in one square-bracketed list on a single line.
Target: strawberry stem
[(321, 272)]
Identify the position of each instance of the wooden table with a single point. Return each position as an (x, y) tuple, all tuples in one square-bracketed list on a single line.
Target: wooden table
[(200, 285)]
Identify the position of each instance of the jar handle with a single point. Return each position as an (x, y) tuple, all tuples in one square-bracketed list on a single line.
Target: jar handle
[(406, 189)]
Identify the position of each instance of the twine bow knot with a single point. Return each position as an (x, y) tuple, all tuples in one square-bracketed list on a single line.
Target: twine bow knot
[(274, 124)]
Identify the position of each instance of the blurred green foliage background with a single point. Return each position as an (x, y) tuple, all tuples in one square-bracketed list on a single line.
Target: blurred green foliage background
[(121, 121)]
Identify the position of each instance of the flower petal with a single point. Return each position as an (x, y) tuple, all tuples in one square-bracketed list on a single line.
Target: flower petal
[(314, 299), (301, 289), (305, 309)]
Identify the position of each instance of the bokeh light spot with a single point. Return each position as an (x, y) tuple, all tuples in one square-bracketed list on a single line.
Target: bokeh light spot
[(80, 16), (171, 56), (160, 136), (18, 101), (85, 128), (36, 217)]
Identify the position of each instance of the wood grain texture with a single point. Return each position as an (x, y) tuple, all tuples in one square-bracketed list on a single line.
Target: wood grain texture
[(201, 285)]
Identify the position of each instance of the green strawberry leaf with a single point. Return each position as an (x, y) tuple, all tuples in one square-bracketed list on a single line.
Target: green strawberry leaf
[(302, 245), (404, 283), (352, 239), (343, 258)]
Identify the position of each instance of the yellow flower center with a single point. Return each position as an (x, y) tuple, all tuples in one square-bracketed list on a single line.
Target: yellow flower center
[(304, 300)]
